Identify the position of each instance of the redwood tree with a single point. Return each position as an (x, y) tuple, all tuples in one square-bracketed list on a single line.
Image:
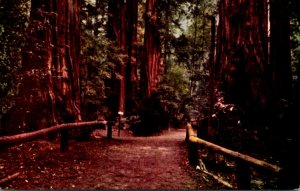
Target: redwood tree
[(254, 80), (152, 49), (50, 86), (131, 66), (285, 120), (242, 53), (280, 55), (122, 28)]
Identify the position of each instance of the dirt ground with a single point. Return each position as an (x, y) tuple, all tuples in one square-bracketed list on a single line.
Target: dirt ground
[(125, 162)]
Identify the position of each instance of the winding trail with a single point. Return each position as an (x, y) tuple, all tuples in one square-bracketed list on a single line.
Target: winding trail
[(125, 162), (142, 163)]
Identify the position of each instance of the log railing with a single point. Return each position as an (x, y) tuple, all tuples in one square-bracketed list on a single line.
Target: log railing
[(243, 161), (11, 140)]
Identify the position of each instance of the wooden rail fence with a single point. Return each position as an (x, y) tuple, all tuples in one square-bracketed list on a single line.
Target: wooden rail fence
[(6, 141), (243, 161)]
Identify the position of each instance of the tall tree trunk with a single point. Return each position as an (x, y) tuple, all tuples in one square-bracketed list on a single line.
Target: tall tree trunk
[(242, 53), (285, 119), (116, 31), (211, 97), (167, 39), (152, 49), (280, 58), (112, 84), (50, 86), (121, 39), (131, 67), (212, 74)]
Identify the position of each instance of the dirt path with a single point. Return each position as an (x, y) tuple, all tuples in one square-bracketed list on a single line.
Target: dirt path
[(126, 162)]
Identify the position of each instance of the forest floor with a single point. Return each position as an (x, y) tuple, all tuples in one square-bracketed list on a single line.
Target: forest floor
[(125, 162)]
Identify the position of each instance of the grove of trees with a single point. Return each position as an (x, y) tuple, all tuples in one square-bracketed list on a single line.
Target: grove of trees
[(65, 61)]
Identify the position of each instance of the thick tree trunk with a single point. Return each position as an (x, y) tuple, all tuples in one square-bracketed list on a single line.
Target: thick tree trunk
[(113, 85), (280, 58), (242, 53), (68, 39), (152, 49), (118, 31), (122, 43), (211, 97), (284, 120), (50, 86), (131, 67), (167, 39)]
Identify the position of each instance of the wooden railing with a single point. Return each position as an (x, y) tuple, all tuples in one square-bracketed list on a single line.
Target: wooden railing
[(6, 141), (243, 162)]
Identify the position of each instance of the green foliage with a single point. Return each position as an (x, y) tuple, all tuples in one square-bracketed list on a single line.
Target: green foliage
[(177, 78), (13, 24), (99, 59), (96, 67), (182, 47), (173, 90), (14, 15), (187, 39), (164, 105), (295, 45), (185, 31), (295, 35)]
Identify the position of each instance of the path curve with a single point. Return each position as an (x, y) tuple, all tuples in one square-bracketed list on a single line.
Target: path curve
[(142, 163), (125, 162)]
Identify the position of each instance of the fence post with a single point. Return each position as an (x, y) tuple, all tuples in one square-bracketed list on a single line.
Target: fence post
[(192, 147), (120, 113), (243, 175), (186, 135), (109, 129), (64, 140), (193, 153)]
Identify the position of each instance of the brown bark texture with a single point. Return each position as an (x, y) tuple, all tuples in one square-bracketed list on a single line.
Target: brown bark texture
[(242, 53), (131, 66), (122, 29), (121, 41), (50, 86), (152, 49)]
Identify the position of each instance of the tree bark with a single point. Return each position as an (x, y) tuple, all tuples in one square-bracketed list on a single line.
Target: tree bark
[(152, 49), (211, 97), (50, 85), (242, 53), (123, 26), (122, 43), (131, 67)]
